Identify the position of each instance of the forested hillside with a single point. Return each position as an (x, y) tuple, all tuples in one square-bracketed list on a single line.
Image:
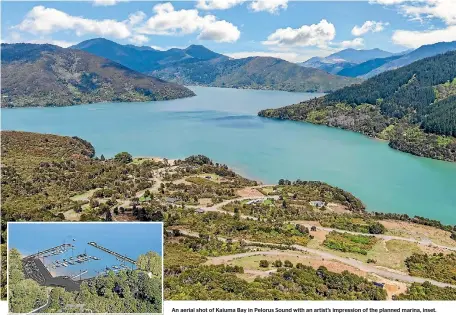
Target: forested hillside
[(253, 73), (144, 59), (47, 75), (130, 291), (391, 106)]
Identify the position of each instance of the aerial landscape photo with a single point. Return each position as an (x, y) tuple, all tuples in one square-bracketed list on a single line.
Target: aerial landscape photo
[(85, 267), (311, 158)]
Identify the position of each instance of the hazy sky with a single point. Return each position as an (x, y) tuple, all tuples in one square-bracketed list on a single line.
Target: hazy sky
[(292, 30)]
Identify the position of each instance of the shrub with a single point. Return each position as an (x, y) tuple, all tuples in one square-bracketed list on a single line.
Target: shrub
[(264, 263)]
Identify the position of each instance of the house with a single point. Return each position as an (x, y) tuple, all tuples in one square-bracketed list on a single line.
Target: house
[(254, 201), (317, 203), (171, 200)]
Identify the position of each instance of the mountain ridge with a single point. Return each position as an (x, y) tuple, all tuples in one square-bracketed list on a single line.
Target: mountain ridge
[(198, 65), (48, 75), (340, 60)]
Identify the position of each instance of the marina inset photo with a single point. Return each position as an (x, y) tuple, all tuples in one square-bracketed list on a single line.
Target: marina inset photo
[(85, 267)]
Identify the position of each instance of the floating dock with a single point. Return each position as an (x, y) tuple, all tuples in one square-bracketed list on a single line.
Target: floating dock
[(121, 257), (50, 250)]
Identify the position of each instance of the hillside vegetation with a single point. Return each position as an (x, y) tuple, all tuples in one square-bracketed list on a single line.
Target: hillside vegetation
[(47, 75), (130, 291), (144, 59), (253, 73), (413, 107)]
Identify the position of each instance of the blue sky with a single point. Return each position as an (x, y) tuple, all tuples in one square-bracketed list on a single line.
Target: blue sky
[(291, 30)]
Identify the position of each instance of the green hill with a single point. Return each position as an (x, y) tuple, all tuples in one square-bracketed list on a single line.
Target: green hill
[(47, 75), (197, 65), (253, 73), (414, 107)]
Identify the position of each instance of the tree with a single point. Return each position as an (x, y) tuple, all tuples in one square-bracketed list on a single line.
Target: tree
[(278, 263), (102, 158), (264, 264), (377, 228), (123, 157), (93, 203), (453, 235), (151, 262), (288, 264), (108, 217)]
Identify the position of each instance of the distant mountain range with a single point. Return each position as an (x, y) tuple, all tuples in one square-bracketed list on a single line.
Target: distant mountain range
[(48, 75), (368, 63), (346, 58), (145, 59), (415, 55), (197, 65)]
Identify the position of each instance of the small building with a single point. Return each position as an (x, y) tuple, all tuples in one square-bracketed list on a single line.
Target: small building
[(253, 201), (378, 284), (317, 203), (171, 200)]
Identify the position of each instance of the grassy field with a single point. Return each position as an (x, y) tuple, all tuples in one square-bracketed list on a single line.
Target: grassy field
[(392, 254)]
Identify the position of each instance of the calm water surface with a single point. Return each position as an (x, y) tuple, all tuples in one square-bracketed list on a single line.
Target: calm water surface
[(222, 124), (135, 239)]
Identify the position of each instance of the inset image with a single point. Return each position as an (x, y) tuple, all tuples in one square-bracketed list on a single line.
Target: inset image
[(85, 267)]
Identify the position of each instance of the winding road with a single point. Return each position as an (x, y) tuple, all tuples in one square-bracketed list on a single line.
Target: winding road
[(217, 208), (389, 274)]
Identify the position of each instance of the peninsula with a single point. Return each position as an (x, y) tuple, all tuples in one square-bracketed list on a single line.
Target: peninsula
[(228, 237)]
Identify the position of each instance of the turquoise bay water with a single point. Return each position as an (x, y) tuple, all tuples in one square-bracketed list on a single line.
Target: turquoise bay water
[(222, 124), (129, 239)]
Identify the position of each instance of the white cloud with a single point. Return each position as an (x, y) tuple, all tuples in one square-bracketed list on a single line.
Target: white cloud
[(136, 18), (444, 10), (219, 31), (157, 47), (307, 35), (271, 6), (415, 39), (41, 20), (105, 3), (368, 26), (439, 9), (168, 21), (355, 43), (217, 4), (138, 39)]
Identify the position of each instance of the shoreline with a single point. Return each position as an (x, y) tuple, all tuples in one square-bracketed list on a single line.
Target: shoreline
[(368, 211), (363, 134)]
